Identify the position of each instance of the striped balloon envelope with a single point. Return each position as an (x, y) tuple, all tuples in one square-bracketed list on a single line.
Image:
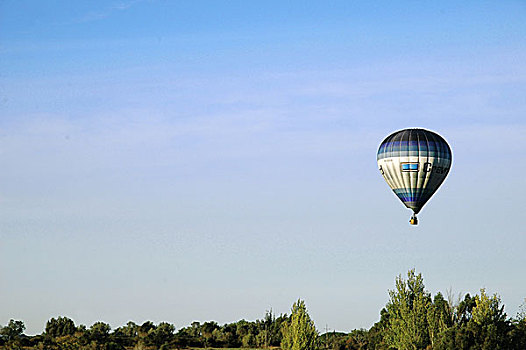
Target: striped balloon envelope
[(414, 163)]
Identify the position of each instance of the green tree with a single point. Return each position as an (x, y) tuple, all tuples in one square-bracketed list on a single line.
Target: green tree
[(462, 313), (248, 340), (407, 308), (299, 333), (245, 333), (126, 335), (268, 330), (376, 335), (439, 318), (518, 332), (163, 334), (99, 333), (489, 323), (488, 309), (145, 334), (189, 336), (227, 337), (207, 331), (276, 334), (13, 330), (357, 339), (458, 336), (480, 323), (195, 329), (61, 326)]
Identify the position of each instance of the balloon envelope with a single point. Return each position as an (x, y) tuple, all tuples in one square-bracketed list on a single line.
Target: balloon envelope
[(414, 163)]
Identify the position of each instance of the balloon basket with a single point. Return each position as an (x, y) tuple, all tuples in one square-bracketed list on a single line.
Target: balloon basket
[(413, 220)]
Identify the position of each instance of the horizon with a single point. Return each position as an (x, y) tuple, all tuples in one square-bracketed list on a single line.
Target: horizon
[(453, 300)]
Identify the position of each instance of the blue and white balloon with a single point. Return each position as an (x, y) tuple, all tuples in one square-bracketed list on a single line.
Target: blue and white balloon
[(414, 163)]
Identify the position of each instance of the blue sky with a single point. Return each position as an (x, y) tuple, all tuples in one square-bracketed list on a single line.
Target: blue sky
[(210, 160)]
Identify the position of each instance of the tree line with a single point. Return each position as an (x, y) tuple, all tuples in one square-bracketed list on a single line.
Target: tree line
[(62, 333), (412, 319)]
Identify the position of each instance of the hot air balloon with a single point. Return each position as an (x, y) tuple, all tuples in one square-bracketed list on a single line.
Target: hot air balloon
[(414, 163)]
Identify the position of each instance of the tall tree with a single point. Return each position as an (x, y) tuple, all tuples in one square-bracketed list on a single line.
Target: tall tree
[(489, 323), (407, 308), (439, 318), (299, 333)]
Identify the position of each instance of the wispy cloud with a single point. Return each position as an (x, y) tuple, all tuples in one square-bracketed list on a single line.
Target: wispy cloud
[(106, 12)]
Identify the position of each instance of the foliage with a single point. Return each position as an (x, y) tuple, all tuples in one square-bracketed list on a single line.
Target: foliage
[(299, 333), (99, 331), (126, 335), (163, 334), (408, 309), (61, 326), (13, 330)]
